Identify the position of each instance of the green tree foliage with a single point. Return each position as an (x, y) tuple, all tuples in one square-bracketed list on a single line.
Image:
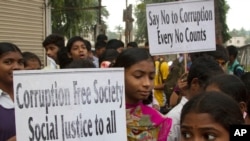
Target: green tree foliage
[(74, 17), (112, 35), (241, 32), (140, 14), (234, 33), (221, 12), (119, 30), (247, 40)]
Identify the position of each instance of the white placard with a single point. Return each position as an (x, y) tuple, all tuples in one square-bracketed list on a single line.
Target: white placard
[(70, 105), (181, 27)]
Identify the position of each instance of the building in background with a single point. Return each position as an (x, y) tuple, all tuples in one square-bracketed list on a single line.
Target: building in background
[(26, 24), (237, 41)]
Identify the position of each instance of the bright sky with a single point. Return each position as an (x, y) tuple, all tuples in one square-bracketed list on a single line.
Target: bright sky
[(238, 15), (115, 8)]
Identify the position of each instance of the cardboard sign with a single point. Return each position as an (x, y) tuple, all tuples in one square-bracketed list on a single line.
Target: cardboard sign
[(70, 105), (181, 27)]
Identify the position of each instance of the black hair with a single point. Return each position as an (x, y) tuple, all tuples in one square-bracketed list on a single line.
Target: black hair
[(108, 55), (63, 58), (29, 56), (231, 85), (114, 44), (248, 107), (220, 53), (101, 37), (203, 68), (8, 47), (232, 50), (56, 39), (72, 40), (100, 44), (132, 44), (81, 63), (88, 44), (132, 56), (246, 80), (222, 108), (149, 100)]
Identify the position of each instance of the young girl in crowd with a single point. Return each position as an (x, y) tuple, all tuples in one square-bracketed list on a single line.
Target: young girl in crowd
[(31, 61), (143, 122), (10, 59), (77, 48), (208, 116)]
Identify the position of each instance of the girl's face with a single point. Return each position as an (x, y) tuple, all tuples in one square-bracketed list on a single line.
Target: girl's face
[(202, 127), (78, 51), (8, 62), (139, 81)]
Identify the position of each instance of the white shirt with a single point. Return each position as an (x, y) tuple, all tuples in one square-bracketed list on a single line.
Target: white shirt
[(51, 64), (175, 115), (96, 61), (6, 101)]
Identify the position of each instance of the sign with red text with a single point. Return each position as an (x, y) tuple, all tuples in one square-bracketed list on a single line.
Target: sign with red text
[(181, 27), (70, 105)]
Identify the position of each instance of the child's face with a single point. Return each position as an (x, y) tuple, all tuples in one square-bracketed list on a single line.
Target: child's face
[(51, 51), (222, 63), (202, 127), (78, 51), (8, 62), (139, 81), (32, 64), (100, 51)]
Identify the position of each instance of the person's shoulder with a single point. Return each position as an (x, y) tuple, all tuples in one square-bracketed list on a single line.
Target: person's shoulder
[(178, 107), (238, 66), (175, 112), (238, 69), (5, 101)]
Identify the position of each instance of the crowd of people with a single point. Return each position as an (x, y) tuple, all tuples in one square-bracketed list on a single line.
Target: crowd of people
[(197, 100)]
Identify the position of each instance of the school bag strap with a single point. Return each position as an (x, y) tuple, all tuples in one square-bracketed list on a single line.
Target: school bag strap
[(238, 70)]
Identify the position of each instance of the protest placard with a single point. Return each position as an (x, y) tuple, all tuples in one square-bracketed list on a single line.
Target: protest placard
[(181, 27), (70, 105)]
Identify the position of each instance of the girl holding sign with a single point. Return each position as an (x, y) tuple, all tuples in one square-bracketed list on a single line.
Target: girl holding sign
[(143, 122), (10, 59)]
